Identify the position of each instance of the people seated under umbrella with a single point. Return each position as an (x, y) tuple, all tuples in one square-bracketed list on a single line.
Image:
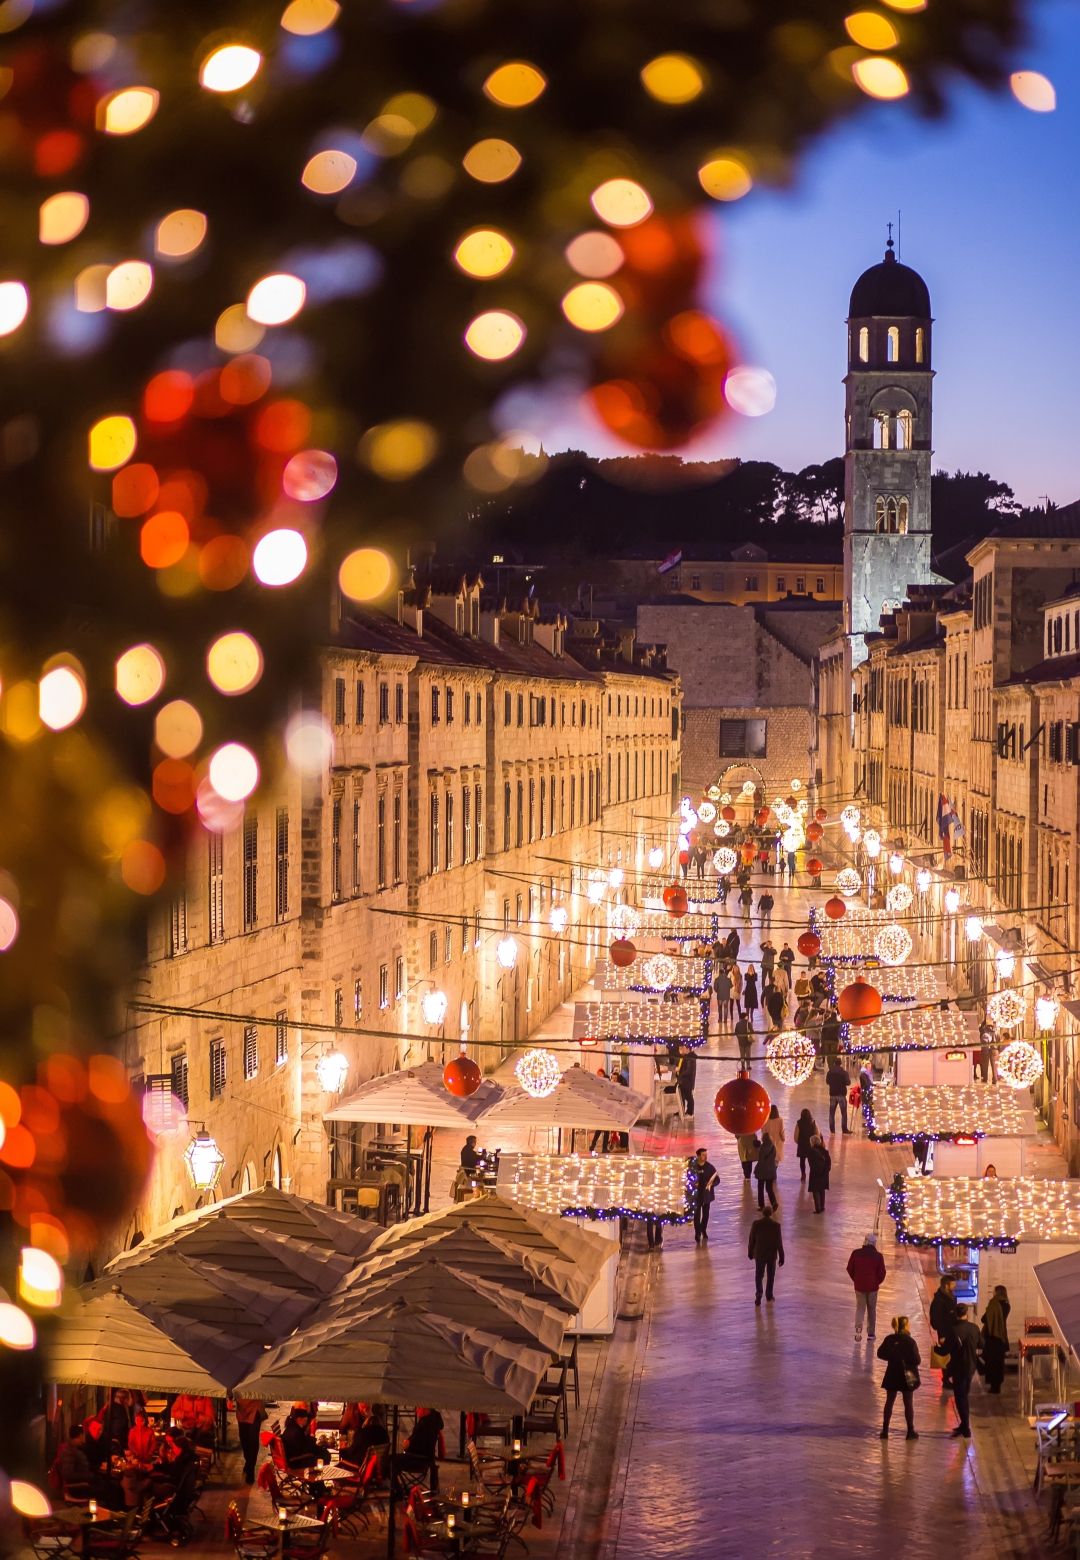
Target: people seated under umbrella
[(368, 1436), (424, 1445)]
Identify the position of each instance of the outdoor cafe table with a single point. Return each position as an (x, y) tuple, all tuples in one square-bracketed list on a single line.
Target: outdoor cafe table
[(291, 1522), (80, 1518)]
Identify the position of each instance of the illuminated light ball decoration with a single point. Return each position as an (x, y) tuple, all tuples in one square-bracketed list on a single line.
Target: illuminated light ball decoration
[(873, 848), (1005, 964), (1019, 1064), (859, 1003), (850, 816), (923, 879), (706, 812), (796, 785), (433, 1005), (462, 1077), (725, 798), (623, 918), (898, 898), (748, 788), (835, 908), (659, 971), (871, 837), (721, 829), (1046, 1014), (616, 877), (789, 1056), (332, 1069), (896, 863), (809, 945), (538, 1072), (1006, 1009), (848, 881), (973, 928), (742, 1106), (952, 900), (725, 860), (893, 944), (656, 857), (713, 793), (623, 953), (559, 919), (506, 952)]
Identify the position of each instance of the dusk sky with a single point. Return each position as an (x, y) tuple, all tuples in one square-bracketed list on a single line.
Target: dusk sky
[(990, 202)]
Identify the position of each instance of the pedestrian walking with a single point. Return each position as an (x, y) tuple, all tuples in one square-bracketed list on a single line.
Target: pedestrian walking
[(654, 1233), (768, 958), (734, 943), (723, 888), (866, 1269), (765, 909), (746, 899), (806, 1129), (963, 1346), (988, 1053), (774, 1127), (791, 865), (744, 1037), (774, 1006), (995, 1337), (685, 1079), (839, 1082), (748, 1146), (901, 1355), (250, 1414), (765, 1171), (943, 1310), (818, 1164), (782, 980), (722, 987), (736, 988), (750, 993), (703, 1180), (786, 958), (765, 1249)]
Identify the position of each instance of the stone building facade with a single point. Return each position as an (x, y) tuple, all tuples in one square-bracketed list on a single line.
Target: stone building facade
[(477, 772)]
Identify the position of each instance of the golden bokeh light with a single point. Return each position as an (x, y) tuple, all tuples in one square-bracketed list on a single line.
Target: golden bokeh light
[(907, 5), (142, 867), (871, 30), (112, 443), (515, 84), (725, 178), (621, 202), (16, 1328), (329, 172), (19, 711), (880, 78), (180, 233), (234, 771), (416, 108), (484, 252), (91, 51), (28, 1500), (366, 574), (90, 287), (398, 450), (593, 306), (164, 539), (236, 331), (41, 1279), (276, 298), (178, 729), (1034, 91), (491, 161), (128, 284), (594, 254), (140, 674), (61, 697), (229, 68), (234, 662), (305, 18), (62, 217), (14, 306), (280, 557), (673, 78), (124, 112), (496, 334)]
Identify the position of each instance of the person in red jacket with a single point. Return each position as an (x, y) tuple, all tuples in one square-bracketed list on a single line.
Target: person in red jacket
[(866, 1269)]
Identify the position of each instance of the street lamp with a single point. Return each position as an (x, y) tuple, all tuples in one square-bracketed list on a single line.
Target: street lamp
[(332, 1069), (433, 1005), (204, 1161), (506, 952)]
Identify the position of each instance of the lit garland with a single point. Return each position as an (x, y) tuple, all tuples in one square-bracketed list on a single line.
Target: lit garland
[(693, 976), (1020, 1065), (789, 1056), (995, 1211), (940, 1112), (683, 1022), (605, 1186)]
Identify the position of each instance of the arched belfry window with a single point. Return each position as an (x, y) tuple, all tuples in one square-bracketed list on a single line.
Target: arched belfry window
[(904, 429), (892, 344), (864, 344), (891, 515), (920, 344), (881, 430)]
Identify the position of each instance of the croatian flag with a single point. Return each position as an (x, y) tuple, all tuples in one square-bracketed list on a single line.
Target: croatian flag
[(672, 561)]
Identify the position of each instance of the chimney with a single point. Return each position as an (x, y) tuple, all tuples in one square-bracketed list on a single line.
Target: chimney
[(412, 617), (489, 627)]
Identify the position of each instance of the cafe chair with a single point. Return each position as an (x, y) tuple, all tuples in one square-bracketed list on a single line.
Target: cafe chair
[(50, 1538), (421, 1545), (496, 1541), (116, 1540), (250, 1541), (345, 1508), (488, 1470), (305, 1543)]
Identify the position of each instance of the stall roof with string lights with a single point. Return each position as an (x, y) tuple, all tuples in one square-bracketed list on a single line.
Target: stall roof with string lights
[(604, 1186), (642, 1022), (897, 1114), (988, 1211), (914, 1029)]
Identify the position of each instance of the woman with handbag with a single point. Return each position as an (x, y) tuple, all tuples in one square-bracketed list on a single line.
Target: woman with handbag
[(806, 1128), (995, 1337), (901, 1355)]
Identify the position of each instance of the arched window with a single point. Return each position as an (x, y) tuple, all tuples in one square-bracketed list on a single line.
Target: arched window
[(904, 429), (892, 344), (920, 344), (880, 514), (275, 1169), (880, 426), (891, 515), (901, 516), (864, 344)]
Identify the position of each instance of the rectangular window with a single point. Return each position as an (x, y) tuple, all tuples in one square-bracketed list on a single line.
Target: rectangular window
[(251, 1050), (281, 863), (384, 985), (448, 824), (281, 1037), (532, 810), (433, 833), (819, 585), (335, 848), (219, 1073), (436, 694), (380, 842), (742, 738), (478, 822), (1056, 741), (216, 855), (520, 833), (466, 824), (384, 703), (399, 703), (433, 949), (339, 1007), (399, 977), (356, 845), (178, 1069), (506, 815), (339, 701), (358, 999), (359, 704), (468, 708), (448, 944), (751, 582), (508, 708), (397, 836), (178, 925), (251, 870), (449, 706), (781, 582), (519, 904), (521, 709)]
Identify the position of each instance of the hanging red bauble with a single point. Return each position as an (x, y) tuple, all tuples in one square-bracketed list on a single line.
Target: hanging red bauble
[(859, 1002), (623, 953), (809, 945), (677, 903), (742, 1106), (684, 858), (835, 908), (672, 889), (791, 802), (814, 831), (821, 813), (462, 1077), (728, 814), (813, 866), (761, 817)]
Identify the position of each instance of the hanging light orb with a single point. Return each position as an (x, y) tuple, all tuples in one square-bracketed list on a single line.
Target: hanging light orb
[(721, 829), (860, 1002), (848, 881), (835, 908), (922, 880), (796, 784), (660, 971), (462, 1077), (850, 816), (815, 866), (973, 928), (204, 1161), (558, 919), (616, 877), (332, 1069), (538, 1072), (873, 848), (1005, 964), (596, 886), (742, 1106), (433, 1005), (871, 837), (506, 952), (725, 798), (706, 812), (623, 918), (656, 857), (1006, 1009), (952, 900), (789, 1056), (791, 839), (623, 953), (713, 793), (893, 944), (1046, 1014), (898, 898), (724, 860), (748, 788), (809, 944), (728, 814), (821, 813), (1019, 1064), (896, 863)]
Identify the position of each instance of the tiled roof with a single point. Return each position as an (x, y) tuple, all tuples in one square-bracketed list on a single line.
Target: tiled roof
[(1057, 523), (1055, 668), (930, 640)]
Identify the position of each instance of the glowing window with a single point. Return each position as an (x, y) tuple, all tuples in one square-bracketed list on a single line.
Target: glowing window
[(892, 344), (920, 344), (904, 429), (864, 344)]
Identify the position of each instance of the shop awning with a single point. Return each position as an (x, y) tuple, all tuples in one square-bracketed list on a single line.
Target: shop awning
[(580, 1099), (1059, 1281), (415, 1097)]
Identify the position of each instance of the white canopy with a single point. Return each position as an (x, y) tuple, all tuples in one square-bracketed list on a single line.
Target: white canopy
[(304, 1266), (580, 1099), (416, 1097), (109, 1340), (949, 1110), (201, 1290), (1059, 1281)]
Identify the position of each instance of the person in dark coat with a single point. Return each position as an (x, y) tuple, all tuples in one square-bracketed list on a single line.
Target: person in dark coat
[(734, 943), (765, 1249), (768, 960), (744, 1038), (995, 1337), (943, 1310), (750, 993), (786, 957), (765, 1171), (819, 1163), (765, 906), (367, 1437), (722, 987), (839, 1082), (299, 1445), (963, 1346), (686, 1078), (703, 1180), (901, 1355), (806, 1129), (774, 1006), (747, 1145), (829, 1037)]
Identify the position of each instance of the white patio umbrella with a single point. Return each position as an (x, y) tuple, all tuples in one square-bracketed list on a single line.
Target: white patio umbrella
[(241, 1246), (416, 1097), (205, 1291), (579, 1099), (282, 1213), (110, 1340)]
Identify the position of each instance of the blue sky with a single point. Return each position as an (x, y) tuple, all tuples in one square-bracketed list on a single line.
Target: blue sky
[(990, 202)]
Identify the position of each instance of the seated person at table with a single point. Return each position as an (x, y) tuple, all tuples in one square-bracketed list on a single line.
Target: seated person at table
[(352, 1417), (142, 1440), (366, 1438), (195, 1416), (422, 1446), (299, 1445), (117, 1419), (96, 1444), (472, 1158), (79, 1479)]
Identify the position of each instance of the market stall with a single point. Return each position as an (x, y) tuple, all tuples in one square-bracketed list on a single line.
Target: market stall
[(974, 1127)]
